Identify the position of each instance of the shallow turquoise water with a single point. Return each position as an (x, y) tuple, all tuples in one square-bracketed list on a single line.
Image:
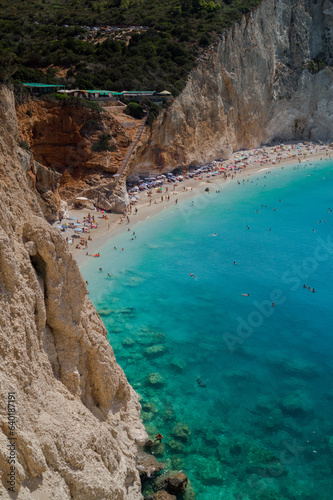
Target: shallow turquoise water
[(257, 423)]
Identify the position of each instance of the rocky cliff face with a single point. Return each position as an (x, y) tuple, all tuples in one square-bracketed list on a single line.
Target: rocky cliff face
[(77, 418), (262, 81), (61, 137)]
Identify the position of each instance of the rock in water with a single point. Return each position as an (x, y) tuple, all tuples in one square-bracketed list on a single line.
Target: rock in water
[(175, 484), (148, 465), (161, 495)]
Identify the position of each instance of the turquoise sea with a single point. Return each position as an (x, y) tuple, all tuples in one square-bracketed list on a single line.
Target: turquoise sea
[(241, 390)]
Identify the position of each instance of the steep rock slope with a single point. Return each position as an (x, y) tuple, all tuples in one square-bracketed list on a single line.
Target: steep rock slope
[(61, 136), (256, 85), (78, 423)]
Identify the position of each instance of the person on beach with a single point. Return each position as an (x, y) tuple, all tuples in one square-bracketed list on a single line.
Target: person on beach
[(176, 201)]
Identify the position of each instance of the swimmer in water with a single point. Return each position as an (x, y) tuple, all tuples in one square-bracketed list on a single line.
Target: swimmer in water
[(214, 234), (192, 275), (245, 294)]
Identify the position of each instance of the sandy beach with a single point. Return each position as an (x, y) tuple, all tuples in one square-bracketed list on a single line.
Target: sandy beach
[(259, 159)]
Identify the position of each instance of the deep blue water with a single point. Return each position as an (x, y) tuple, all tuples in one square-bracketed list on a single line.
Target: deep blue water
[(241, 390)]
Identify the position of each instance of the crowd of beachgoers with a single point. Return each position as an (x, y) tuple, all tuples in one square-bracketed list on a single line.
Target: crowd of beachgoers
[(226, 168), (150, 194)]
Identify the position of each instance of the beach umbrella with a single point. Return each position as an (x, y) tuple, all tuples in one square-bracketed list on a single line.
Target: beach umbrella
[(77, 230)]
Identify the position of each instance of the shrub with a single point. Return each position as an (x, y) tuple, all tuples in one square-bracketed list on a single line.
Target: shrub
[(90, 127), (89, 104), (153, 113), (24, 145), (29, 112), (103, 144), (205, 40), (134, 109)]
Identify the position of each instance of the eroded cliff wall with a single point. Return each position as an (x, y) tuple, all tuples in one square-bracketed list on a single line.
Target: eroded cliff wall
[(78, 423), (256, 85)]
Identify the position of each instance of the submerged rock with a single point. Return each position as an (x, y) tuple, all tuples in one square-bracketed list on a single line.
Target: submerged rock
[(155, 379), (149, 407), (148, 337), (295, 367), (178, 463), (175, 484), (177, 365), (296, 403), (154, 351), (158, 449), (210, 471), (182, 432), (147, 416), (128, 342), (177, 447), (169, 415), (105, 312), (160, 495), (274, 421)]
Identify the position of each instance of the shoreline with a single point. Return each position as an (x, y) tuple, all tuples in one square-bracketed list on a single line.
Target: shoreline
[(189, 188)]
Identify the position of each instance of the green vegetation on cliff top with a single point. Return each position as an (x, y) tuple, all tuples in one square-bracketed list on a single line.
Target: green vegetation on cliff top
[(39, 37)]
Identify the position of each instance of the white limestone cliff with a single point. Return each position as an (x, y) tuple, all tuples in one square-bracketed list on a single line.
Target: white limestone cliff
[(253, 87), (78, 426)]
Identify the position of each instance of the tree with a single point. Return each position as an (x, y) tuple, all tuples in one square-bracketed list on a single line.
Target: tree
[(134, 109)]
